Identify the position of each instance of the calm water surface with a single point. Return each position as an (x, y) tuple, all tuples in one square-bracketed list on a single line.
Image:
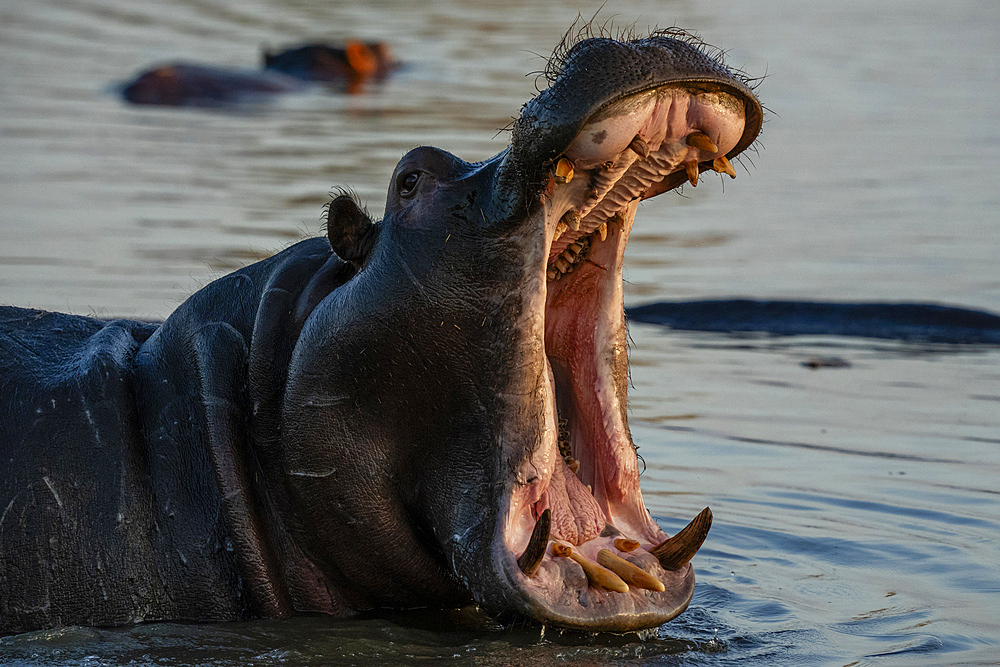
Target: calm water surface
[(857, 508)]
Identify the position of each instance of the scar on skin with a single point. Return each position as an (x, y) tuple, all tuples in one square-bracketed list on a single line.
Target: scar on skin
[(599, 137), (53, 490)]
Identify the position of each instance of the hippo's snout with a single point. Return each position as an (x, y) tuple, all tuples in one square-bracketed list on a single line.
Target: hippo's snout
[(621, 121), (483, 342)]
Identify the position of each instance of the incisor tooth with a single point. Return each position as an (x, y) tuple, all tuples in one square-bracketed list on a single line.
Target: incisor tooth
[(640, 146), (596, 574), (692, 172), (629, 572), (574, 466), (571, 219), (701, 141), (563, 172), (722, 165), (626, 544)]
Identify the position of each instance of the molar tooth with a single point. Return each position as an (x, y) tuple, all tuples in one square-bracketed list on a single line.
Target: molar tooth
[(562, 265), (571, 219), (626, 544), (692, 172), (551, 274), (561, 227), (596, 574), (639, 146), (701, 141), (722, 165), (563, 172), (576, 247), (618, 218), (629, 572), (535, 551), (675, 552), (602, 231)]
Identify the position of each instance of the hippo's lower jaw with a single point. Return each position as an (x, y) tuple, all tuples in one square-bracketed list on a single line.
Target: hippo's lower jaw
[(576, 502)]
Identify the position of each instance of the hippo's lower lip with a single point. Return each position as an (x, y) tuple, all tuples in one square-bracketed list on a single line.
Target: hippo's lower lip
[(584, 483)]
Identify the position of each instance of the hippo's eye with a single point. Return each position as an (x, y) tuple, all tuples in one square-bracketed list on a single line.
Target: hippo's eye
[(407, 183)]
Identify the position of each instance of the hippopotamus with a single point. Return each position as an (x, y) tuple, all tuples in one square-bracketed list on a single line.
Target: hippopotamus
[(428, 410), (354, 62), (288, 71), (191, 84)]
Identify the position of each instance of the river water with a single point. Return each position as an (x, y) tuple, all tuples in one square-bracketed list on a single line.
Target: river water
[(857, 507)]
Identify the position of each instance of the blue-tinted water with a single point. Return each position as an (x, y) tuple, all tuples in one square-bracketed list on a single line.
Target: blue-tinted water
[(856, 504)]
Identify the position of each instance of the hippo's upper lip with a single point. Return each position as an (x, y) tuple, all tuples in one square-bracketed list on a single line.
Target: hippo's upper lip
[(598, 149), (594, 74)]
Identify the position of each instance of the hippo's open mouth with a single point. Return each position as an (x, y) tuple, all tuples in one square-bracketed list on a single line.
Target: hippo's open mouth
[(575, 541)]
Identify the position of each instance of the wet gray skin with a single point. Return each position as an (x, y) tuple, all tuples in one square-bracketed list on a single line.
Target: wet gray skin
[(427, 410), (512, 362)]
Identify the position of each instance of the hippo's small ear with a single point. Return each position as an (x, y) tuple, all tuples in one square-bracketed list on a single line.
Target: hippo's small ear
[(350, 230)]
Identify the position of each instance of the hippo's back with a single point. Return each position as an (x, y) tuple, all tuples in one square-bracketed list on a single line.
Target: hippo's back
[(74, 504)]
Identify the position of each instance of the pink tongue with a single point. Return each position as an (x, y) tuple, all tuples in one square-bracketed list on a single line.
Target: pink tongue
[(576, 516)]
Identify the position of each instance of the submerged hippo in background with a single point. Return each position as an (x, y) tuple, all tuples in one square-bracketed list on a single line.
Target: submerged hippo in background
[(425, 410), (188, 84), (356, 61), (291, 70)]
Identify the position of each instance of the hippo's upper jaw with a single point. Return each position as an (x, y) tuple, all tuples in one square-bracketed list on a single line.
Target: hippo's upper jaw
[(623, 121)]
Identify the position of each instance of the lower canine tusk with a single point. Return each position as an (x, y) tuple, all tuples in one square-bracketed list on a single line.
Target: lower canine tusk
[(677, 551), (629, 572), (535, 551), (596, 574)]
